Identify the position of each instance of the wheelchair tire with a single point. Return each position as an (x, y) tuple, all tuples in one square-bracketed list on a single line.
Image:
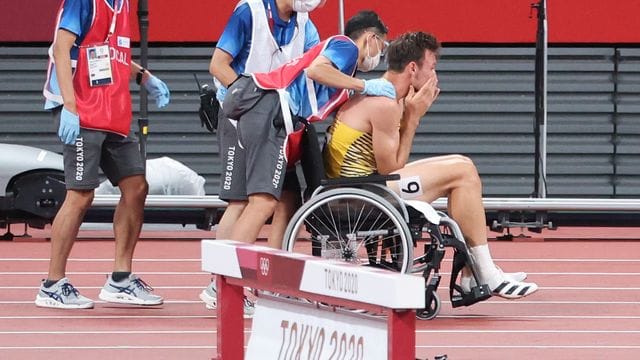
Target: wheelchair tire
[(353, 225), (432, 310)]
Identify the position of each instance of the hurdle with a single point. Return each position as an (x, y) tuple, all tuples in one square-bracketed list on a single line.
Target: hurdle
[(321, 282)]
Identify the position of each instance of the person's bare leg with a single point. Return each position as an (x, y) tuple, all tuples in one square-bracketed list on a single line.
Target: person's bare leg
[(260, 207), (127, 220), (64, 230), (289, 202), (229, 218), (456, 177)]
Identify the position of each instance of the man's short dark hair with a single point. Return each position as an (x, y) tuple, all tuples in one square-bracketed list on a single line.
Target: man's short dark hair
[(410, 47), (363, 21)]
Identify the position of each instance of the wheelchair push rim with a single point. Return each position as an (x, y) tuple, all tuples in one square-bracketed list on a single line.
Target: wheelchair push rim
[(352, 225)]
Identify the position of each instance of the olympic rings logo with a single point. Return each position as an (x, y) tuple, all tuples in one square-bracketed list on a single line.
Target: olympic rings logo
[(264, 266)]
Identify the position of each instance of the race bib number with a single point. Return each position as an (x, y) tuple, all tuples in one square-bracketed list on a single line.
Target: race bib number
[(99, 63), (410, 187)]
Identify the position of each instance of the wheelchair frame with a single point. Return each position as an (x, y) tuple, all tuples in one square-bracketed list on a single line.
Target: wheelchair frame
[(386, 237), (410, 225)]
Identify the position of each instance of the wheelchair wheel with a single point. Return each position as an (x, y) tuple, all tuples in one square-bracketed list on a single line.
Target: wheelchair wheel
[(432, 309), (353, 225)]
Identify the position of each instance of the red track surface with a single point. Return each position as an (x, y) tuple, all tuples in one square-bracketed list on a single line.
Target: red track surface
[(588, 306)]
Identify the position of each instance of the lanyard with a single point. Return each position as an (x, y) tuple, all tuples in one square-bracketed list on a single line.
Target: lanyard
[(112, 27), (270, 20)]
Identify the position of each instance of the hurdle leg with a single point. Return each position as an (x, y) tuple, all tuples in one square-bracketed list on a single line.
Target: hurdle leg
[(230, 345), (401, 326)]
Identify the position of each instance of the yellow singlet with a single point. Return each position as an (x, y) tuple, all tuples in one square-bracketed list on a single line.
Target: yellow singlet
[(349, 152)]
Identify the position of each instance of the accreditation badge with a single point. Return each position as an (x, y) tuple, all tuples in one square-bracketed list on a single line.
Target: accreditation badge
[(99, 62)]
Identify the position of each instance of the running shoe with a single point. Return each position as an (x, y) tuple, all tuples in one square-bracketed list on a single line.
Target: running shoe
[(467, 282), (210, 298), (131, 290), (62, 295)]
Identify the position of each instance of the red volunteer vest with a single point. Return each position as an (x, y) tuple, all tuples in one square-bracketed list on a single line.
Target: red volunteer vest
[(106, 107), (280, 78)]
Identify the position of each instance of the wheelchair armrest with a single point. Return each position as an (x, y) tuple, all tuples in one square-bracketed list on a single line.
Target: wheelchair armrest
[(376, 179)]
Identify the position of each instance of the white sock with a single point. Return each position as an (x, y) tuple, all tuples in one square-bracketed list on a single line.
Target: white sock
[(487, 270)]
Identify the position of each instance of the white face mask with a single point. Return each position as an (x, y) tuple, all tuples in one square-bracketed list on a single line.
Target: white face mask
[(370, 62), (305, 5)]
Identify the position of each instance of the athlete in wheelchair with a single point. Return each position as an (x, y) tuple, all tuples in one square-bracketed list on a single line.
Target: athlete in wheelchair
[(374, 208)]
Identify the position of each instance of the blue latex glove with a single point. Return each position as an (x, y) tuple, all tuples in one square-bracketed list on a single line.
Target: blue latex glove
[(158, 90), (221, 93), (69, 127), (379, 87)]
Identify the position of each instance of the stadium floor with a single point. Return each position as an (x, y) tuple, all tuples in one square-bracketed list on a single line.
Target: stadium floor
[(588, 305)]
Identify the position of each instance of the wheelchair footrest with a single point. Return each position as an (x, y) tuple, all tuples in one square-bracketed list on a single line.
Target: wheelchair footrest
[(477, 294)]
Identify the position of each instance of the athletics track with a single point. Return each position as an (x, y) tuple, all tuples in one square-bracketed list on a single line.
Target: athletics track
[(588, 305)]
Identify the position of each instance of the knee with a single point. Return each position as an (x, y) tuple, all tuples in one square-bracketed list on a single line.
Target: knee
[(81, 199), (468, 171), (135, 190), (263, 203)]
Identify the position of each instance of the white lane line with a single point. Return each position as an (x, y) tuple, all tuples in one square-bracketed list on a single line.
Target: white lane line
[(552, 302), (103, 260), (446, 260), (189, 287), (531, 331), (103, 273), (213, 316), (22, 302), (248, 330), (15, 273), (519, 317), (608, 347), (100, 287), (490, 302), (122, 332), (119, 347), (68, 317)]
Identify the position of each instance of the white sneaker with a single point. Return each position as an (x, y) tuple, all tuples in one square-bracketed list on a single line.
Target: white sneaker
[(131, 290), (514, 289), (62, 295), (210, 298), (467, 282)]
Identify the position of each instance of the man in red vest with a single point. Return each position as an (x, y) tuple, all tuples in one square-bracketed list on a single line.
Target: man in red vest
[(87, 89)]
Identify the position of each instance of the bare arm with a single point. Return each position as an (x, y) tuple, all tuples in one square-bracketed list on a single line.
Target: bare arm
[(391, 141), (322, 71), (220, 67), (62, 58)]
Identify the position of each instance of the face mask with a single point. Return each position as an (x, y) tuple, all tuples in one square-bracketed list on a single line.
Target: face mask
[(370, 62), (305, 5)]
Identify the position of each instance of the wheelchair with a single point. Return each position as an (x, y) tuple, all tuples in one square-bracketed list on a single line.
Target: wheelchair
[(360, 221)]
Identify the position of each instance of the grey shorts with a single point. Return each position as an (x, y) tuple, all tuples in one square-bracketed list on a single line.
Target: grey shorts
[(117, 156), (264, 162), (232, 158)]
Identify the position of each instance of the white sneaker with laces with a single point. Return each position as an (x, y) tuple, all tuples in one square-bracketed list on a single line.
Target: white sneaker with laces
[(210, 298), (131, 290), (62, 295)]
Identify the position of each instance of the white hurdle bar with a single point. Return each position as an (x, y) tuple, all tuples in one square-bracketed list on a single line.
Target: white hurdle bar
[(258, 267), (513, 204)]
